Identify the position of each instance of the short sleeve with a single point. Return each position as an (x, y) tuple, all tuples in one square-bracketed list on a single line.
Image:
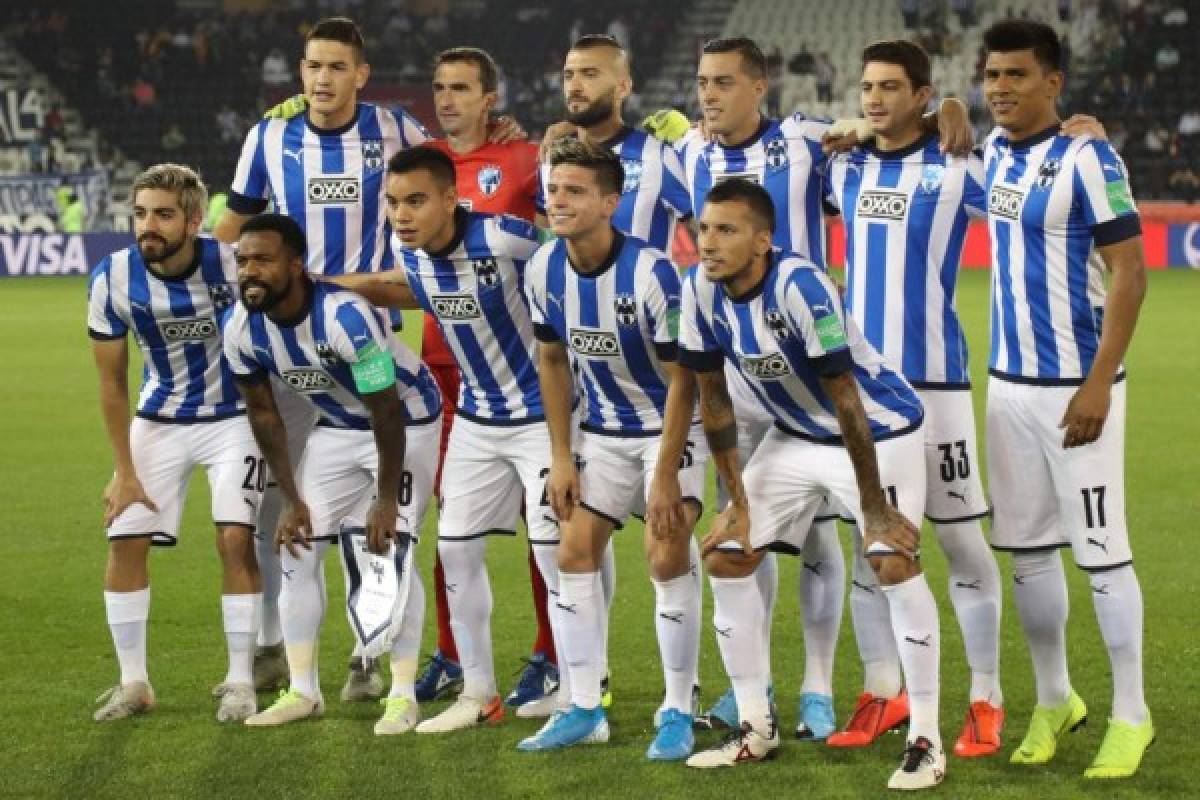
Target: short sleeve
[(1103, 193), (249, 192), (239, 351), (520, 237), (660, 306), (535, 292), (362, 343), (698, 348), (814, 312), (675, 195), (104, 323), (974, 193), (412, 132)]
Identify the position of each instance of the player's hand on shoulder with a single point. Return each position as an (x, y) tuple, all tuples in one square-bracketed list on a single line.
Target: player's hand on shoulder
[(295, 528), (1084, 125), (664, 506), (845, 134), (293, 106), (504, 129), (381, 525), (1086, 412), (731, 525), (554, 132), (122, 492), (955, 135), (889, 527), (667, 125), (562, 487)]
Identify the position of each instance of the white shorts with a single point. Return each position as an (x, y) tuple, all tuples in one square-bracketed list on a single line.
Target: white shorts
[(1048, 496), (788, 479), (489, 471), (339, 471), (954, 491), (164, 455), (616, 472)]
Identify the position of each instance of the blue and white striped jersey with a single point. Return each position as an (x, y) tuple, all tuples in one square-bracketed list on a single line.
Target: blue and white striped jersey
[(655, 195), (1052, 200), (783, 336), (316, 355), (330, 182), (475, 289), (906, 214), (177, 325), (618, 323), (785, 158)]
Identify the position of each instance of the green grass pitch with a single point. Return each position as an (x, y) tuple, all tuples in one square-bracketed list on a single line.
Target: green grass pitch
[(56, 656)]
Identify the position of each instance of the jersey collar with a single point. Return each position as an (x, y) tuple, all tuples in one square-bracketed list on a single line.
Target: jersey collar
[(756, 290), (763, 124), (460, 233), (617, 138), (197, 257), (310, 291), (903, 152), (609, 260), (1035, 139), (338, 131)]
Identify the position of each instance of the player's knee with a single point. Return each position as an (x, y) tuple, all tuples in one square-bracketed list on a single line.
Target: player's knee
[(722, 564), (893, 569), (667, 560), (236, 547)]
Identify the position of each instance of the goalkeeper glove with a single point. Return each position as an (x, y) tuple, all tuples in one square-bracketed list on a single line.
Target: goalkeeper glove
[(291, 107), (667, 126)]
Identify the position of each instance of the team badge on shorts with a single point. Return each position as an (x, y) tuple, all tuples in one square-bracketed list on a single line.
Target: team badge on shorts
[(633, 175), (1047, 172), (777, 155), (489, 178), (932, 176), (372, 155), (221, 295), (625, 307), (776, 323), (486, 271)]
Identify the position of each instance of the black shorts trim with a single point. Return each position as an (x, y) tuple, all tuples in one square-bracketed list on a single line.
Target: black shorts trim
[(192, 421), (952, 520), (472, 536), (619, 434), (544, 542), (224, 523), (1106, 568), (1045, 548), (157, 538), (499, 423), (100, 336), (617, 524), (836, 441), (1021, 379), (940, 387)]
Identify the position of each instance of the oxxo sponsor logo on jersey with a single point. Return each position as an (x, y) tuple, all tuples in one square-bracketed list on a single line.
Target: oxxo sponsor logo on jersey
[(1006, 202), (590, 342), (455, 306), (333, 191), (765, 368), (877, 204), (194, 329), (307, 379)]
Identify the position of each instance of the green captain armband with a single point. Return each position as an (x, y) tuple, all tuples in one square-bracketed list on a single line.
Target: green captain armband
[(830, 332), (374, 370)]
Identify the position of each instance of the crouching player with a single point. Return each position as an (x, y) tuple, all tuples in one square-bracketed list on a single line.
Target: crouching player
[(372, 455)]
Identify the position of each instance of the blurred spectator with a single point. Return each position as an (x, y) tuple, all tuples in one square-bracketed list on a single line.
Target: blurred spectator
[(229, 124), (774, 81), (1167, 57), (143, 93), (55, 126), (275, 70), (173, 139), (802, 62), (73, 214), (965, 10), (825, 73), (1189, 123), (618, 30), (911, 9)]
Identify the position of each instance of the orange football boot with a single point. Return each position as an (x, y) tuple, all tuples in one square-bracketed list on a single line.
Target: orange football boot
[(873, 716), (981, 731)]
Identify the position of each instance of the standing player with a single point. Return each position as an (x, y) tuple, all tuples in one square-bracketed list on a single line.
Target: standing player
[(369, 460), (169, 290), (906, 208), (846, 426), (1060, 211), (324, 169), (613, 301)]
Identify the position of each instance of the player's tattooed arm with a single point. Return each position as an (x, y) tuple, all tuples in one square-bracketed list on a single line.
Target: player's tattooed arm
[(1088, 408), (295, 525), (558, 389), (720, 429), (664, 506), (112, 368), (387, 423), (387, 289), (883, 523)]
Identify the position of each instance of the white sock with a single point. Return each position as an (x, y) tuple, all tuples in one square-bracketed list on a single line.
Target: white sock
[(469, 593), (915, 623), (1040, 593), (873, 630), (302, 609), (270, 632), (822, 588), (766, 577), (547, 561), (1118, 601), (240, 614), (581, 604), (406, 644), (975, 593), (127, 614), (608, 583), (677, 622), (737, 616)]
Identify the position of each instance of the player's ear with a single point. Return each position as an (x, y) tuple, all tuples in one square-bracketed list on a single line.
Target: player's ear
[(450, 198), (361, 73), (489, 101), (1054, 82), (924, 95), (762, 241)]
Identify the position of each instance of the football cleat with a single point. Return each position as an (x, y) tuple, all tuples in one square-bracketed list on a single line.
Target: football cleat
[(566, 728), (238, 701), (438, 679), (466, 712), (364, 682), (981, 730), (270, 669), (674, 740), (815, 720), (739, 746), (290, 706), (723, 714), (1045, 729), (922, 766), (124, 700), (695, 712), (538, 679), (606, 695), (541, 708), (1121, 751), (873, 716), (400, 715)]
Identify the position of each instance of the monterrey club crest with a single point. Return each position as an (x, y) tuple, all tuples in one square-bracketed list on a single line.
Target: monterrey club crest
[(486, 271), (633, 175), (625, 307), (327, 355), (776, 154), (489, 178), (372, 155), (221, 295), (776, 323), (1047, 172)]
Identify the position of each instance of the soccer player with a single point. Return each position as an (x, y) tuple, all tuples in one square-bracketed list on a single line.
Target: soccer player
[(1060, 212), (845, 425), (906, 207), (370, 459), (324, 169), (607, 304), (169, 291)]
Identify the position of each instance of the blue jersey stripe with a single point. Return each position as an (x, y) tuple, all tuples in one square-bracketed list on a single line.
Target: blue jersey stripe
[(372, 193), (294, 199)]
